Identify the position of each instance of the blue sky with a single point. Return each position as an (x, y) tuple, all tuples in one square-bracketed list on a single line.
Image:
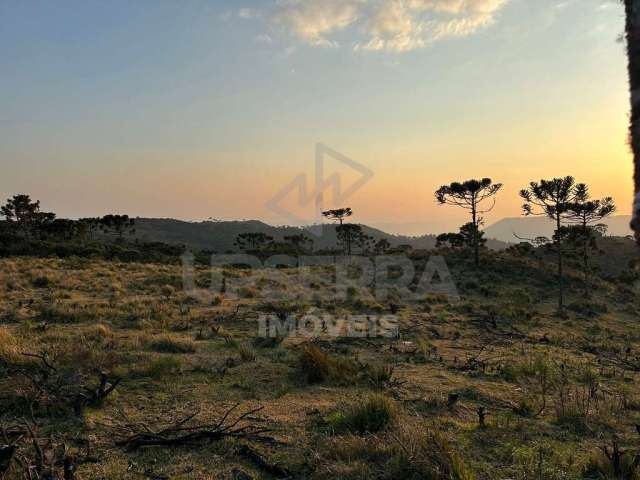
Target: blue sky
[(195, 109)]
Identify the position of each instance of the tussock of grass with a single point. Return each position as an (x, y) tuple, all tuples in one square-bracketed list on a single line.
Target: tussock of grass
[(318, 366), (379, 376), (163, 366), (64, 314), (315, 364), (98, 333), (414, 452), (168, 344), (9, 347), (369, 416), (246, 352)]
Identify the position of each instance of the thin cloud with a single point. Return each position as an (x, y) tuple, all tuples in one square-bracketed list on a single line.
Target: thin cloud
[(389, 25), (313, 21), (248, 13), (264, 38)]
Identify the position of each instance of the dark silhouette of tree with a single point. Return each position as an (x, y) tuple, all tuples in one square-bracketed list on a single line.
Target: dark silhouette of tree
[(118, 225), (632, 31), (552, 198), (465, 238), (351, 235), (585, 213), (347, 235), (87, 227), (453, 240), (300, 242), (470, 195), (382, 246), (60, 229), (25, 215), (339, 214), (253, 241), (366, 243)]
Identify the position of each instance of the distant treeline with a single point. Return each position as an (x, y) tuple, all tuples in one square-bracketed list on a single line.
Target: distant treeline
[(27, 230)]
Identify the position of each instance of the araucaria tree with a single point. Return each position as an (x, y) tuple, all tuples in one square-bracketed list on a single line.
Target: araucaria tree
[(585, 213), (117, 225), (339, 214), (253, 241), (346, 233), (351, 235), (465, 238), (300, 242), (553, 199), (632, 27), (470, 195), (25, 215)]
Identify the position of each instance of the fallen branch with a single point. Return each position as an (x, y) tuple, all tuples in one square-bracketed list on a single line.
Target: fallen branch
[(183, 433)]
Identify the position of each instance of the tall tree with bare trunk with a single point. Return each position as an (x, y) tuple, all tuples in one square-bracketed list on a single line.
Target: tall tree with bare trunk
[(553, 199), (632, 31), (470, 195)]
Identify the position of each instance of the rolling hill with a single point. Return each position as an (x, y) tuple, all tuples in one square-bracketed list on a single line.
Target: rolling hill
[(506, 229), (220, 236)]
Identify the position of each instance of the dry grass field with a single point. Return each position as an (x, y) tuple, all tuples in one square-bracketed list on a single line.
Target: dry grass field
[(112, 367)]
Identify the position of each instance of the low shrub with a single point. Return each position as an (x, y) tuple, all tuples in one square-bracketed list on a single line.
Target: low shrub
[(369, 416)]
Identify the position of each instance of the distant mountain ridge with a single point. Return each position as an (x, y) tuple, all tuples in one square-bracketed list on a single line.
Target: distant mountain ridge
[(506, 229), (221, 236)]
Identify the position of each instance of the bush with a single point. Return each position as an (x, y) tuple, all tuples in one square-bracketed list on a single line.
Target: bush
[(172, 345), (370, 416)]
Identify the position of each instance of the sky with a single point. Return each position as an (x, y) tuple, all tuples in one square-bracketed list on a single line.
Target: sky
[(197, 109)]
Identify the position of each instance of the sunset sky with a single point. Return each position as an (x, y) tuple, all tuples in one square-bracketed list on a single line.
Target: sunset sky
[(194, 109)]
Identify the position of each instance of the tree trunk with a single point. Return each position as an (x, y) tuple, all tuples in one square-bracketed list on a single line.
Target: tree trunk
[(585, 258), (476, 231), (560, 266), (632, 9)]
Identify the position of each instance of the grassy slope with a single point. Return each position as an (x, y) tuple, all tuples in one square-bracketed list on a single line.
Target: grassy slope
[(493, 349)]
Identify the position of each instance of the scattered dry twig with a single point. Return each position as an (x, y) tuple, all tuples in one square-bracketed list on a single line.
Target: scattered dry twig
[(183, 432)]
